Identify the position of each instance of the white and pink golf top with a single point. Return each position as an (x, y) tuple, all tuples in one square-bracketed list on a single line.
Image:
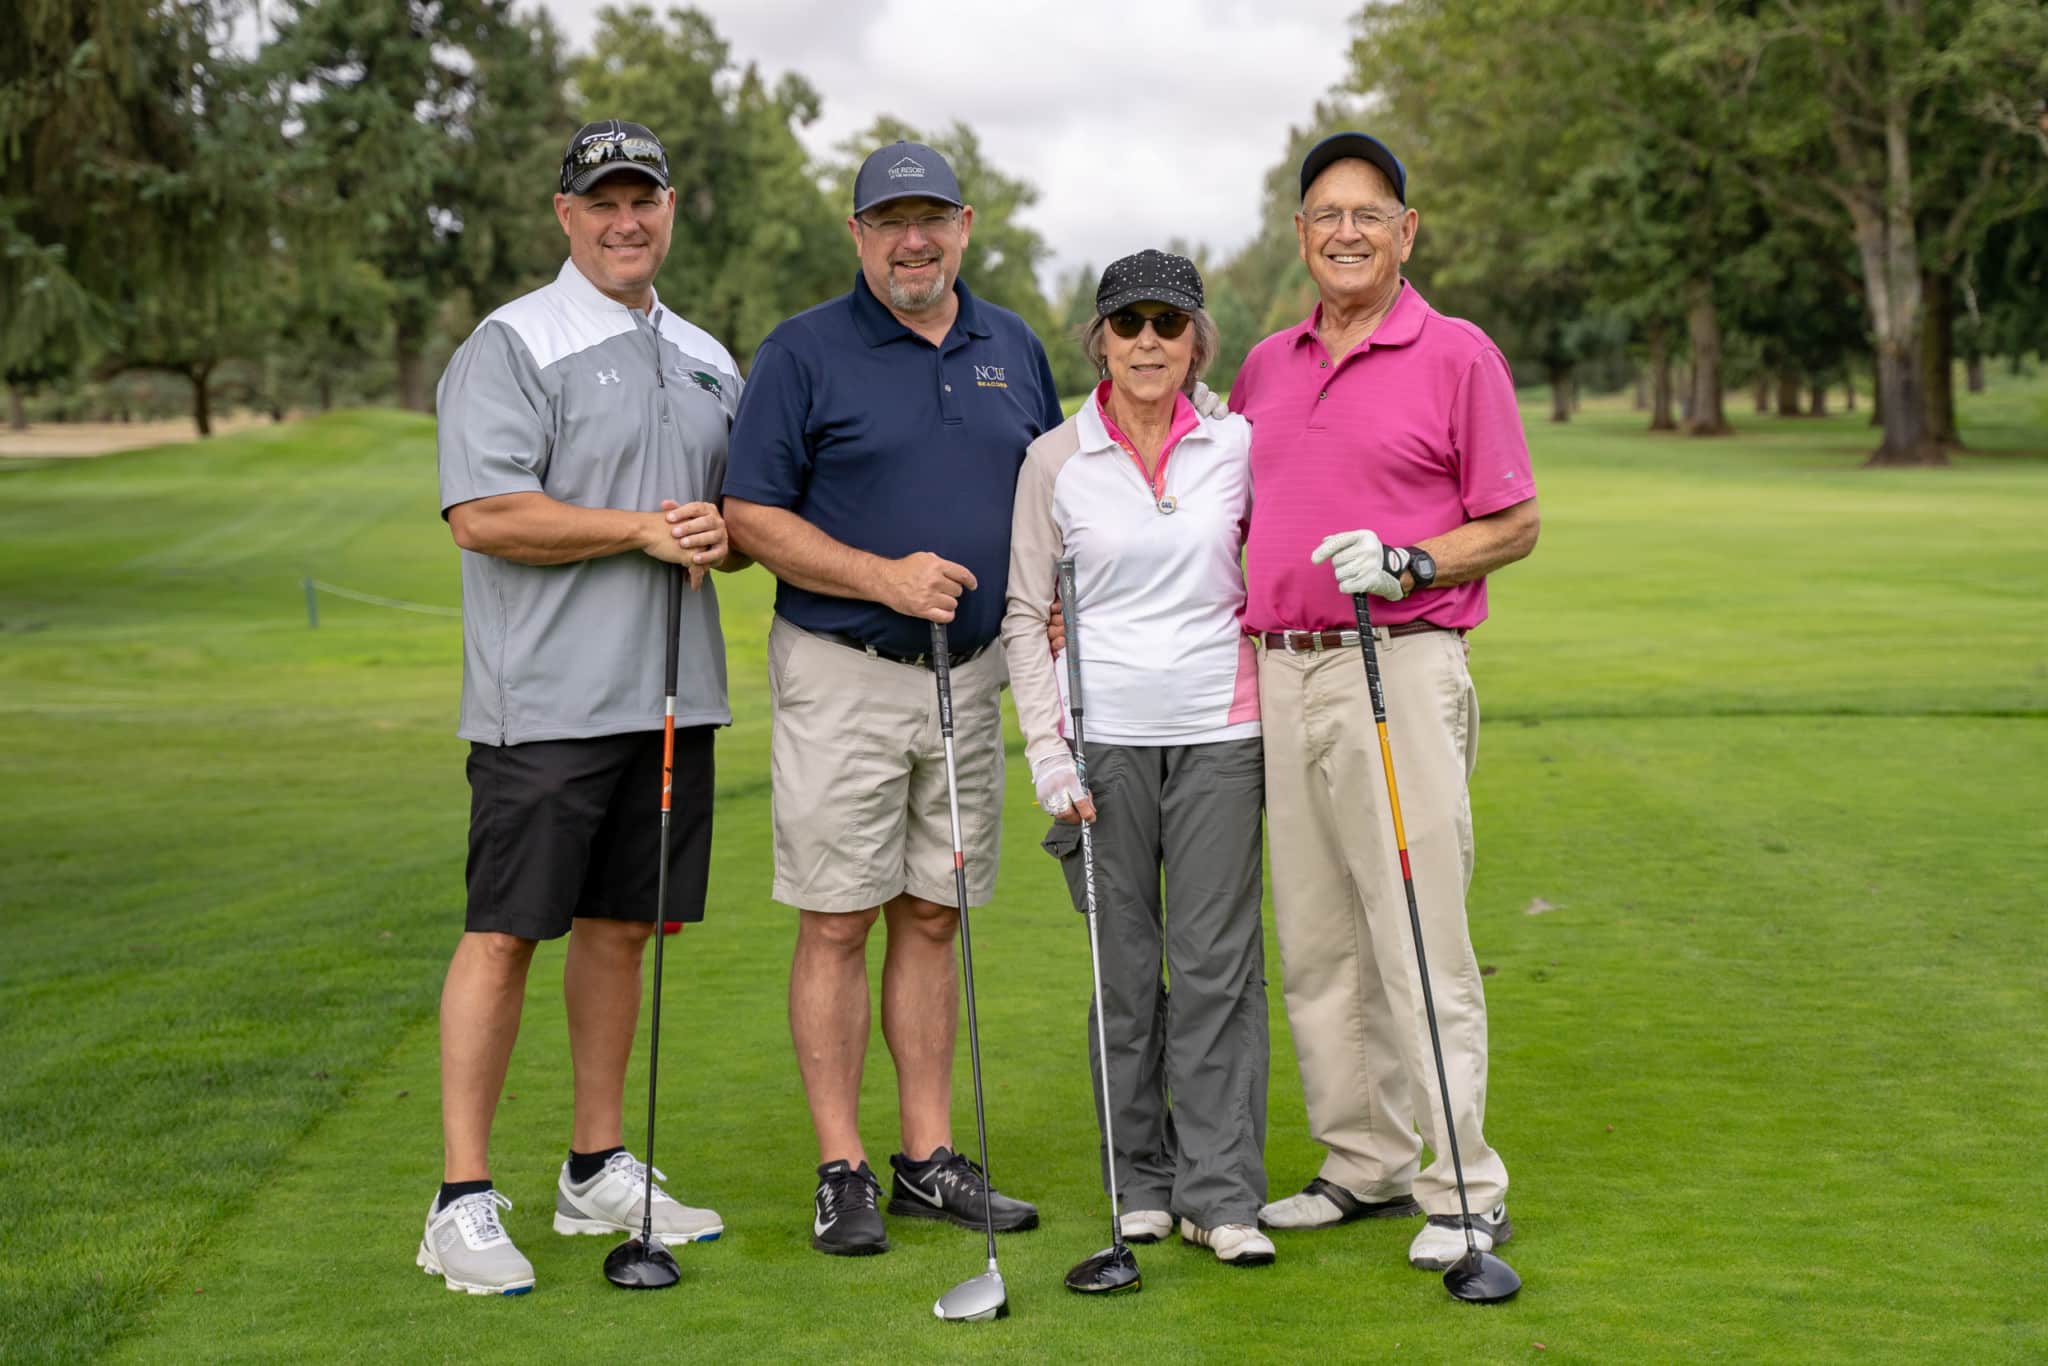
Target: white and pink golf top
[(1164, 657)]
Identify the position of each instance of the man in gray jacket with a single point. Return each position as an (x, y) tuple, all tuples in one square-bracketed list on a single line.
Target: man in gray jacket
[(582, 452)]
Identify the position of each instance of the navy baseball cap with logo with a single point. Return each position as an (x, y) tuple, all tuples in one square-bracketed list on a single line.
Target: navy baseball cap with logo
[(609, 145), (1338, 146), (902, 170)]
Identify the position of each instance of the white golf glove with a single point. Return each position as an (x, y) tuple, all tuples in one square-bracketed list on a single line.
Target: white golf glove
[(1058, 783), (1363, 565), (1208, 402)]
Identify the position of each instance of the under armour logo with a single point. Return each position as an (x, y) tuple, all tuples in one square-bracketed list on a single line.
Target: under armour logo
[(607, 377)]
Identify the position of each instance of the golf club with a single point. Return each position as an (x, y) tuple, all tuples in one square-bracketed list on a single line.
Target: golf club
[(984, 1296), (1478, 1277), (644, 1262), (1115, 1267)]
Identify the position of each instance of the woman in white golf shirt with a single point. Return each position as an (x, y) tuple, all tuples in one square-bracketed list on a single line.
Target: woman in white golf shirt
[(1151, 500)]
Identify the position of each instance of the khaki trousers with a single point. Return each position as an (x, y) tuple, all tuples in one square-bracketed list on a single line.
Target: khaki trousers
[(1354, 1001)]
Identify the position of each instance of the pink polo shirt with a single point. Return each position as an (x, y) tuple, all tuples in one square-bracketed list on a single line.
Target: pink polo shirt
[(1413, 433)]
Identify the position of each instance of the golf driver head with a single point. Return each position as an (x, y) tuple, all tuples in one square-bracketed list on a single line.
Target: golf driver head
[(638, 1265), (975, 1300), (1481, 1278), (1110, 1270)]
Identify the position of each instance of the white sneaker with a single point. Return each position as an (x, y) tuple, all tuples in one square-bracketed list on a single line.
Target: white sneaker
[(468, 1248), (613, 1200), (1441, 1244), (1234, 1244), (1322, 1204), (1145, 1225)]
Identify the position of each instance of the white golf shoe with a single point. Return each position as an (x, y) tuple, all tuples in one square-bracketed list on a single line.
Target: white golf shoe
[(1233, 1244), (1324, 1204), (1145, 1225), (612, 1202), (1441, 1244), (468, 1248)]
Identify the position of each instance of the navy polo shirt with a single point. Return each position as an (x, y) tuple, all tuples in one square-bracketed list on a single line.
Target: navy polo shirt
[(892, 445)]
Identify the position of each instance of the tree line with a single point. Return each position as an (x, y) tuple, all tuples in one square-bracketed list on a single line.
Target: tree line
[(1693, 196)]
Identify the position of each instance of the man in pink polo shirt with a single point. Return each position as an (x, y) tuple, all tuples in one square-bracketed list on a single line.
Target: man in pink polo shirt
[(1387, 458)]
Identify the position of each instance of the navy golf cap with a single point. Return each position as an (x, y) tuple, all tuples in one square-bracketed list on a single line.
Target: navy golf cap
[(1338, 146), (609, 145), (902, 170)]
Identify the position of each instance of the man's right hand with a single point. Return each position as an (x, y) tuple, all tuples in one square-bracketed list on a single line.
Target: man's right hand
[(658, 539), (925, 586)]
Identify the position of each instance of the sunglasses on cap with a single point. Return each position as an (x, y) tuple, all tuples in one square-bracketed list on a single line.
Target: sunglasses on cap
[(1128, 323), (600, 148)]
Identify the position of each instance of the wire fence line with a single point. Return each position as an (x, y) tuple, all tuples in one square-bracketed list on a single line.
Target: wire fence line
[(315, 586)]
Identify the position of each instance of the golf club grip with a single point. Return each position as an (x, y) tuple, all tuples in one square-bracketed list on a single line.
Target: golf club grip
[(1068, 599), (1362, 604), (674, 621), (942, 666)]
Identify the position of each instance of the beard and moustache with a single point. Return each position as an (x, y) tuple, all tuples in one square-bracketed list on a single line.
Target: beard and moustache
[(905, 297)]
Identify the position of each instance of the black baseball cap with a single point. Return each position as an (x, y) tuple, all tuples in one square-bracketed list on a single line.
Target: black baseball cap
[(1155, 277), (1338, 146), (904, 170), (609, 145)]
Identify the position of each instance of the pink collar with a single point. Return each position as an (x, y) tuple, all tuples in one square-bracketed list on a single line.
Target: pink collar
[(1185, 421)]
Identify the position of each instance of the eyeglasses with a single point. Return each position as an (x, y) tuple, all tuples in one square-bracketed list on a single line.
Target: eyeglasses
[(931, 224), (1128, 323), (1365, 220), (599, 148)]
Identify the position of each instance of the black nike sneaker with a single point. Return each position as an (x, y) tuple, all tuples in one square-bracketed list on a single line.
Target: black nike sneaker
[(847, 1222), (948, 1186)]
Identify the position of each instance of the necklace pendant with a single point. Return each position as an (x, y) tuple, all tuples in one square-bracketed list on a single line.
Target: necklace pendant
[(1167, 505)]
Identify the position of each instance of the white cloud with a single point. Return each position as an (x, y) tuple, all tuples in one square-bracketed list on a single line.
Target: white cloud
[(1136, 121)]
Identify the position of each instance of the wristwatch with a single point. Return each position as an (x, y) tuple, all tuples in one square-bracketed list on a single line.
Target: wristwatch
[(1421, 567)]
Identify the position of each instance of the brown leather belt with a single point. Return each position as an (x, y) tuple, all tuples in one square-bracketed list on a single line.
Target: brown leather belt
[(1312, 642)]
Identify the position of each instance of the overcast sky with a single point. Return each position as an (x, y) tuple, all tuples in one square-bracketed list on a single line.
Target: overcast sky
[(1137, 120)]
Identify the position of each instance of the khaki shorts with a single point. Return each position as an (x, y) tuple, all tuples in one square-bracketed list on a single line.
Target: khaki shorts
[(858, 775)]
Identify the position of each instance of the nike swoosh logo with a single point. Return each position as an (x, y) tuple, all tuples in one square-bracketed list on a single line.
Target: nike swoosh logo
[(820, 1227), (930, 1197)]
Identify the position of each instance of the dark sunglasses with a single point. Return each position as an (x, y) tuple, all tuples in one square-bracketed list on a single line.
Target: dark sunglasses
[(1128, 323), (600, 148)]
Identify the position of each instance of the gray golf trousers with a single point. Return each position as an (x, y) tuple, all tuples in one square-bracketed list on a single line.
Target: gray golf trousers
[(1187, 1066)]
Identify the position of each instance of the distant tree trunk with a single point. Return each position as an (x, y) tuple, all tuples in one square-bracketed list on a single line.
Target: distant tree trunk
[(1849, 387), (409, 342), (1685, 397), (1660, 377), (324, 385), (1641, 400), (1889, 248), (201, 373), (1818, 407), (1763, 392), (1788, 393), (1938, 349), (1560, 391), (1973, 368), (1704, 327), (17, 408)]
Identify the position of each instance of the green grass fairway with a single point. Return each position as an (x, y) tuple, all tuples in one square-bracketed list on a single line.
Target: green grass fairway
[(1766, 730)]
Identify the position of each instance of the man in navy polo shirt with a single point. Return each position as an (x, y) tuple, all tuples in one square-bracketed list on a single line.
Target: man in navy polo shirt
[(874, 463)]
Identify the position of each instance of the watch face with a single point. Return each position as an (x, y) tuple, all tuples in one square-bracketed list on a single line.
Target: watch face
[(1422, 565)]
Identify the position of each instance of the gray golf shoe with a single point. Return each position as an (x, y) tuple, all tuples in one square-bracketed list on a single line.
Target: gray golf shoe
[(468, 1248), (612, 1201)]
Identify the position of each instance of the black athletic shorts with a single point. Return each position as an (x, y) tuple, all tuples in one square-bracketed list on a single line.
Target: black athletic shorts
[(567, 828)]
